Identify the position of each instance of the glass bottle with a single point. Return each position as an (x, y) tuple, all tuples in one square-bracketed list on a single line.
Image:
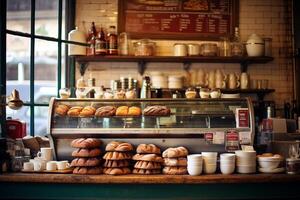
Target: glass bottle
[(237, 47), (112, 41), (91, 39), (123, 44), (100, 47)]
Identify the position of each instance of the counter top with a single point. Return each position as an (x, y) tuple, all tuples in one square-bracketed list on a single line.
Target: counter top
[(147, 179)]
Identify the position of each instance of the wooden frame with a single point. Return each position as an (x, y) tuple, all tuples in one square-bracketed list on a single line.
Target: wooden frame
[(234, 21)]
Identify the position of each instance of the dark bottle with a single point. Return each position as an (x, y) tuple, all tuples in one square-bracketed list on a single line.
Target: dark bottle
[(294, 111), (100, 47), (91, 40), (287, 110), (112, 41)]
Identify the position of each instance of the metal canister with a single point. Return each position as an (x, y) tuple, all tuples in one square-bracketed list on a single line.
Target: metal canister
[(180, 49), (193, 49)]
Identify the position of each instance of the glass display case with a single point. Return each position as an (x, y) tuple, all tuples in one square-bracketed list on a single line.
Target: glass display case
[(198, 124)]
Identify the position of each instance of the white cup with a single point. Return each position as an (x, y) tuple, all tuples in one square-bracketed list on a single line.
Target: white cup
[(194, 170), (51, 166), (209, 155), (46, 153), (39, 165), (209, 169), (61, 165), (28, 166), (227, 156), (194, 158), (227, 169)]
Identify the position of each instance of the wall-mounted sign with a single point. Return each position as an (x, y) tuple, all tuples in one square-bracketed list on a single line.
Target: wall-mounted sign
[(178, 19)]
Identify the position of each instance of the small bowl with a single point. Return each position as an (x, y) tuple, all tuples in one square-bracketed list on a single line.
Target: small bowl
[(269, 162)]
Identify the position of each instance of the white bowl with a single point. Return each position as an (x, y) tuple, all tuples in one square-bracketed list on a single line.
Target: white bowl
[(246, 169), (270, 164), (227, 169), (245, 154), (209, 169), (195, 170), (255, 49)]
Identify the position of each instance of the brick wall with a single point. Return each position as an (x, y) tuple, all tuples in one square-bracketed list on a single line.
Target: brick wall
[(268, 18)]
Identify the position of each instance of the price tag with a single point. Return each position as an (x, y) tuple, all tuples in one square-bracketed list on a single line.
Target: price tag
[(245, 137), (209, 137), (232, 141), (219, 137)]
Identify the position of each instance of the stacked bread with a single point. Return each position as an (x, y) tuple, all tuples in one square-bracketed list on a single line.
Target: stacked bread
[(117, 158), (148, 159), (175, 161), (86, 156)]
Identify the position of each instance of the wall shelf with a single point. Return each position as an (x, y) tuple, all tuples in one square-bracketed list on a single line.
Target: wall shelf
[(185, 60)]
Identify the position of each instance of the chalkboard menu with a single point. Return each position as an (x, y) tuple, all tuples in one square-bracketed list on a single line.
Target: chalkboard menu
[(178, 19)]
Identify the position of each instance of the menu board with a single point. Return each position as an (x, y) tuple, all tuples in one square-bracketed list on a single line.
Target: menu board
[(178, 19)]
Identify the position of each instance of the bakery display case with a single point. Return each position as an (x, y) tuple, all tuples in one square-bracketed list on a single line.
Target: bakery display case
[(198, 124)]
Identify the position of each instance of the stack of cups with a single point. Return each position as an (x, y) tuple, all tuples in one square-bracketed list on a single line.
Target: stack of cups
[(246, 162), (227, 163), (210, 162), (194, 164)]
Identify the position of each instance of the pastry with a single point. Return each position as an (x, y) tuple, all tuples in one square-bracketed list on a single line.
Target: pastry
[(118, 146), (105, 111), (148, 148), (86, 153), (147, 165), (119, 94), (174, 170), (62, 109), (122, 111), (87, 170), (87, 111), (85, 162), (87, 143), (130, 94), (175, 152), (146, 171), (116, 156), (134, 111), (117, 171), (147, 157), (116, 163), (75, 111), (156, 110), (173, 162)]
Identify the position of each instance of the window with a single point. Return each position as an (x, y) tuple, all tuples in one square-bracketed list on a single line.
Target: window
[(35, 57)]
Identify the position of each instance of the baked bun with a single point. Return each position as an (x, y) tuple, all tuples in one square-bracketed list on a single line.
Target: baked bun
[(156, 111), (147, 165), (117, 171), (146, 171), (75, 111), (61, 109), (86, 153), (116, 156), (122, 111), (175, 162), (147, 157), (175, 152), (116, 163), (119, 146), (105, 111), (86, 143), (134, 111), (148, 148), (85, 162), (88, 111), (87, 170), (174, 170)]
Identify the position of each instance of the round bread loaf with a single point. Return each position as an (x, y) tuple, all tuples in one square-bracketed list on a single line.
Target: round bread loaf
[(117, 171), (87, 170), (86, 143), (156, 111), (116, 163), (147, 165), (105, 111), (147, 157), (175, 170), (116, 156), (134, 111), (86, 153), (87, 111), (175, 162), (61, 109), (122, 111), (85, 162), (118, 146), (75, 111), (148, 148), (175, 152)]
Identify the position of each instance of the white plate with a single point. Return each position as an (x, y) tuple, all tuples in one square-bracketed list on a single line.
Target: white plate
[(225, 96), (271, 171)]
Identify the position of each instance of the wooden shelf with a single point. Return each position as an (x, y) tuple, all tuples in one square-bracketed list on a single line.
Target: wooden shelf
[(185, 60)]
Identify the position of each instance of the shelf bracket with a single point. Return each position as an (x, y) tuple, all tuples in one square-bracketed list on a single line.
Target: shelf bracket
[(244, 65), (186, 66), (82, 67), (141, 67)]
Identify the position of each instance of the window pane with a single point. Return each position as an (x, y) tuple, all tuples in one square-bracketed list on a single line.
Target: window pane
[(22, 114), (40, 120), (18, 65), (46, 17), (45, 70), (18, 15)]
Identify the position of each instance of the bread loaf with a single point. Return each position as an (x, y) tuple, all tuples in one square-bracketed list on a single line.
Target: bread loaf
[(85, 162), (175, 152), (117, 171), (62, 109), (118, 146), (147, 165), (146, 171), (86, 152), (75, 111), (86, 143), (147, 157), (148, 148), (122, 111), (175, 170), (134, 111), (173, 162), (105, 111), (87, 170), (116, 163), (116, 156), (156, 111), (87, 111)]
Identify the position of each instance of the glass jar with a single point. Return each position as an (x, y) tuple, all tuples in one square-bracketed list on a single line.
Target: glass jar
[(209, 49), (144, 47), (180, 49)]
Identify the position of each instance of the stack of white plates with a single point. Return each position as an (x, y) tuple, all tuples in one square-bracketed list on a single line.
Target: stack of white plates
[(246, 162), (175, 82)]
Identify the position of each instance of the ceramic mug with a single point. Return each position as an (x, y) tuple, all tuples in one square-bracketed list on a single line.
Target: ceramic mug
[(233, 81), (51, 166), (61, 165), (45, 153), (28, 166), (244, 81), (39, 165)]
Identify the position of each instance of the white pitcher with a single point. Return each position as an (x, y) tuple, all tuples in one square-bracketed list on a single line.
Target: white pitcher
[(244, 81), (233, 81), (220, 79)]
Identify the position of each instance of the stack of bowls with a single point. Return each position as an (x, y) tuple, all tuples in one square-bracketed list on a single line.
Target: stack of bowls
[(246, 162), (194, 164), (227, 163), (210, 162)]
